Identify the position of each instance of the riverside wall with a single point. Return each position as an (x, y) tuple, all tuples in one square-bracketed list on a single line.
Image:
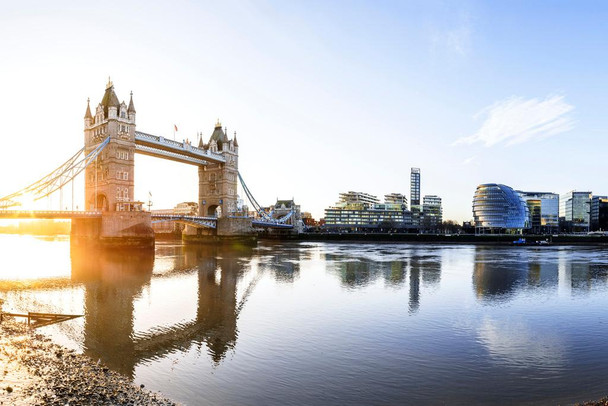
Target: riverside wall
[(449, 239)]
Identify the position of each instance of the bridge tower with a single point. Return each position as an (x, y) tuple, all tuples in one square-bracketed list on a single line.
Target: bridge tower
[(217, 182), (109, 181)]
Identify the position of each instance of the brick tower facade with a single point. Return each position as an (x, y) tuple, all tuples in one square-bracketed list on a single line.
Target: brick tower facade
[(217, 192), (109, 181)]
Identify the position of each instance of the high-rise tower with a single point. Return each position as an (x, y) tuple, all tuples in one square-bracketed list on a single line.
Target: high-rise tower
[(415, 196), (415, 187), (109, 180)]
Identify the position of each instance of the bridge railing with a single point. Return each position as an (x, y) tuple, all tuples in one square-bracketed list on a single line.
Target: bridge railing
[(185, 217), (49, 213)]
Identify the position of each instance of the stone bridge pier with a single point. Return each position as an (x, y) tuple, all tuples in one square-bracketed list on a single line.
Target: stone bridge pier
[(114, 229)]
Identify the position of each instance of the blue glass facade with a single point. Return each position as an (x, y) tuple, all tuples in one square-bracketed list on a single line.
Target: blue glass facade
[(499, 208)]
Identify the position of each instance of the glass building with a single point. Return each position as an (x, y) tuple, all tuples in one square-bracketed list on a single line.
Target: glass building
[(432, 213), (499, 209), (415, 187), (599, 213), (415, 195), (544, 211), (574, 208)]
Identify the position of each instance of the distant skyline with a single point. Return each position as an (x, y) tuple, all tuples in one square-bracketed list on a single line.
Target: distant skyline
[(324, 97)]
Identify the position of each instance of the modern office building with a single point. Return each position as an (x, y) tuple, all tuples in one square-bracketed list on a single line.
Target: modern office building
[(415, 186), (543, 208), (574, 208), (415, 195), (365, 199), (361, 211), (432, 212), (499, 209), (598, 215), (395, 198)]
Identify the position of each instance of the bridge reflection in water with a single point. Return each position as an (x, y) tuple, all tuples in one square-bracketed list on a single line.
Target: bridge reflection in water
[(114, 280)]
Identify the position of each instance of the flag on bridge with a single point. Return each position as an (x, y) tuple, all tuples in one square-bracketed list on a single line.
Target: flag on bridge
[(175, 126)]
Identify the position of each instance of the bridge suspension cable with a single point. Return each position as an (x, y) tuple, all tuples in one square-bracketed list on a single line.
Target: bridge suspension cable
[(254, 202), (56, 179), (267, 218)]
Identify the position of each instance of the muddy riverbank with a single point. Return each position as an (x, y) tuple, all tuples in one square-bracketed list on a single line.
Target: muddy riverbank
[(35, 371)]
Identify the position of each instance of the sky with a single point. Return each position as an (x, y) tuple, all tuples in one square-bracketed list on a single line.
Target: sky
[(325, 97)]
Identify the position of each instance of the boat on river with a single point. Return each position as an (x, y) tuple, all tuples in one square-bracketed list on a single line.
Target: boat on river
[(523, 241)]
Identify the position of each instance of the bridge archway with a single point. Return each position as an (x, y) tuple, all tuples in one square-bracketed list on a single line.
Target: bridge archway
[(102, 202), (214, 211)]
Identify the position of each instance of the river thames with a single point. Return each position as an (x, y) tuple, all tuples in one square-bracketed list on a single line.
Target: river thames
[(328, 323)]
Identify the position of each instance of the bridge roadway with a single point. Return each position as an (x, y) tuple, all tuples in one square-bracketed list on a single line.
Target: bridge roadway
[(197, 221), (160, 147), (48, 214), (70, 214)]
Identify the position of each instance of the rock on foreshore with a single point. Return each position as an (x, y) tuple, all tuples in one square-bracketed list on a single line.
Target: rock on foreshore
[(35, 371)]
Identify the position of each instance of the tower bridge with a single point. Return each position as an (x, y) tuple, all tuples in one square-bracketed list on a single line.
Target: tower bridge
[(112, 214)]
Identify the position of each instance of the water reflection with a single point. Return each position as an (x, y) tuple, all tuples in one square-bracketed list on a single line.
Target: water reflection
[(114, 280), (172, 321), (501, 273), (414, 302), (283, 261), (518, 345), (497, 278), (397, 265), (395, 273)]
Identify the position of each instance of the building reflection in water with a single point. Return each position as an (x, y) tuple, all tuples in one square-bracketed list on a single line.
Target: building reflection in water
[(424, 268), (418, 268), (501, 273), (283, 261), (114, 280), (495, 277)]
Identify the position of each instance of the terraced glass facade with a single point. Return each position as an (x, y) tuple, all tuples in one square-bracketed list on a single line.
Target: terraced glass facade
[(498, 208)]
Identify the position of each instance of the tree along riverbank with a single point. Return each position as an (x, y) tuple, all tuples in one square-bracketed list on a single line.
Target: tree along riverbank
[(35, 371)]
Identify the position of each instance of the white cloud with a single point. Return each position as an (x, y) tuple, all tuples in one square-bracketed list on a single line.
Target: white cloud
[(470, 160), (459, 39), (454, 40), (516, 120)]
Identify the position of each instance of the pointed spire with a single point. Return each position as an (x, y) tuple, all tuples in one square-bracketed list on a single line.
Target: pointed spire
[(131, 108), (109, 98), (88, 113), (235, 142)]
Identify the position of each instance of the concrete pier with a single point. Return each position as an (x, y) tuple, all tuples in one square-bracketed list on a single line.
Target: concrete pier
[(114, 229), (229, 230)]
